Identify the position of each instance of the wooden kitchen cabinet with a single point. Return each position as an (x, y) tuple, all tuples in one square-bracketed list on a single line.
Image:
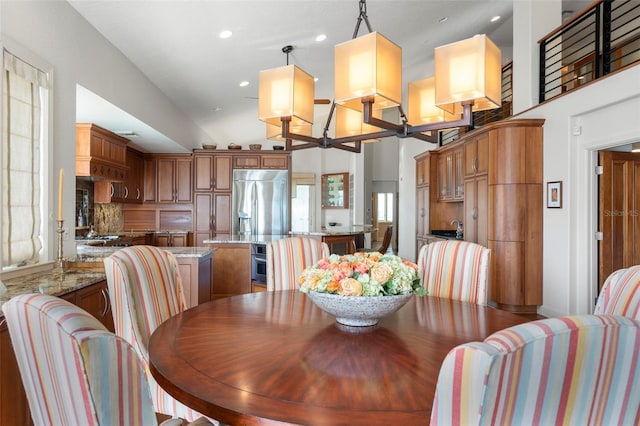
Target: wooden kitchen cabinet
[(515, 205), (134, 185), (173, 239), (422, 169), (450, 175), (250, 161), (150, 171), (195, 273), (476, 198), (14, 407), (423, 162), (476, 155), (212, 219), (212, 172), (212, 216), (222, 214), (231, 269), (203, 217), (95, 300), (174, 180), (274, 161), (100, 153), (129, 191), (501, 173)]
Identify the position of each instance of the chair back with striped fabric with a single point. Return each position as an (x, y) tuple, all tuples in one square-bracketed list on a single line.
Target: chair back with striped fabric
[(75, 372), (145, 290), (287, 258), (620, 294), (581, 370), (456, 270)]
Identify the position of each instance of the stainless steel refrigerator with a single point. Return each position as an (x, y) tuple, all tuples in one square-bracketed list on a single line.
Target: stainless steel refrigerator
[(260, 202)]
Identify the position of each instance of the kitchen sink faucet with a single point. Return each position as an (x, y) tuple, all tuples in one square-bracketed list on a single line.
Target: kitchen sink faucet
[(459, 229)]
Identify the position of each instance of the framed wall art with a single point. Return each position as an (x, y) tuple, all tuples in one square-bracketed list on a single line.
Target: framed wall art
[(554, 195)]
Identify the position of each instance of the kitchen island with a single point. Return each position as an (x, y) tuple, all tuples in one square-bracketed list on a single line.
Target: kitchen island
[(239, 263)]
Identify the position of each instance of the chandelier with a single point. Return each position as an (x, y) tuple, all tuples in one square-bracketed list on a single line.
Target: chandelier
[(367, 81)]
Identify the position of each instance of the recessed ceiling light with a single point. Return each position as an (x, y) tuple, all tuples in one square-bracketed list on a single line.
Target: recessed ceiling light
[(321, 37), (315, 79), (244, 83), (225, 34), (443, 19), (495, 18), (218, 108)]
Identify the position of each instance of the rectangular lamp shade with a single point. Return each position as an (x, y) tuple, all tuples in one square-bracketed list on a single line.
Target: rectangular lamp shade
[(370, 65), (285, 92), (298, 127), (349, 123), (468, 70), (421, 106)]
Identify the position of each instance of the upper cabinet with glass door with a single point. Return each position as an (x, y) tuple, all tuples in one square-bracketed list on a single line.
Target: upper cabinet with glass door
[(335, 191)]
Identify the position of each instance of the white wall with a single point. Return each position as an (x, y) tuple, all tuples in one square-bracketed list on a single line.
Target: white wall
[(606, 113), (54, 32)]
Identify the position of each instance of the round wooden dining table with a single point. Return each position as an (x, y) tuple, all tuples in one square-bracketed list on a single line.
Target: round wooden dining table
[(274, 357)]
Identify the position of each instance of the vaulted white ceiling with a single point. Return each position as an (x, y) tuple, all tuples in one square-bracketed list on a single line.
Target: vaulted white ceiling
[(176, 44)]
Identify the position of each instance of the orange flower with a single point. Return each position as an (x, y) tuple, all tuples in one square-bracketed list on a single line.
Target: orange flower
[(333, 285), (350, 287), (346, 269), (381, 272)]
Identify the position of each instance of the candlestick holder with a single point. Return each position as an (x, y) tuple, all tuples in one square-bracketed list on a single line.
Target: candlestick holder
[(59, 259)]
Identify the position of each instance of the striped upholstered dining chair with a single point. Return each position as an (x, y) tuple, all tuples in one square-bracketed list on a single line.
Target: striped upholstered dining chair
[(620, 294), (287, 258), (576, 370), (145, 290), (75, 371), (455, 269)]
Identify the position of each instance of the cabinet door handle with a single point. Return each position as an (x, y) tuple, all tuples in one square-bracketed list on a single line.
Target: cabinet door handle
[(137, 193), (105, 299), (126, 191), (422, 212), (474, 213), (475, 165), (113, 190)]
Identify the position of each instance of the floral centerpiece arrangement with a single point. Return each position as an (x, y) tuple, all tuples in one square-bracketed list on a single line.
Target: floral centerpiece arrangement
[(362, 274)]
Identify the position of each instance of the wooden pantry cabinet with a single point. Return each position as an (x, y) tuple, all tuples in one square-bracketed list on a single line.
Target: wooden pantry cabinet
[(514, 214), (213, 177), (501, 172)]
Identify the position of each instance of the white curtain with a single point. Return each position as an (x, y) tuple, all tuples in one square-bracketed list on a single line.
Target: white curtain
[(22, 91)]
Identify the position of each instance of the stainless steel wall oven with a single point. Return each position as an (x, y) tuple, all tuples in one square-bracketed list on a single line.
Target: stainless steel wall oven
[(259, 263)]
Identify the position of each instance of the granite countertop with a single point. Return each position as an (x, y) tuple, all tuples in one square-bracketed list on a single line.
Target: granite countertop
[(249, 238), (58, 282), (55, 282), (97, 253)]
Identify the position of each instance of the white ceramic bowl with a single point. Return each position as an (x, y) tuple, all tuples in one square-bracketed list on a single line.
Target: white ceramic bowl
[(358, 311)]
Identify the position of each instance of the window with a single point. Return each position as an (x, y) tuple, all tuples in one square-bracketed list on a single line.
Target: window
[(385, 207), (24, 117)]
